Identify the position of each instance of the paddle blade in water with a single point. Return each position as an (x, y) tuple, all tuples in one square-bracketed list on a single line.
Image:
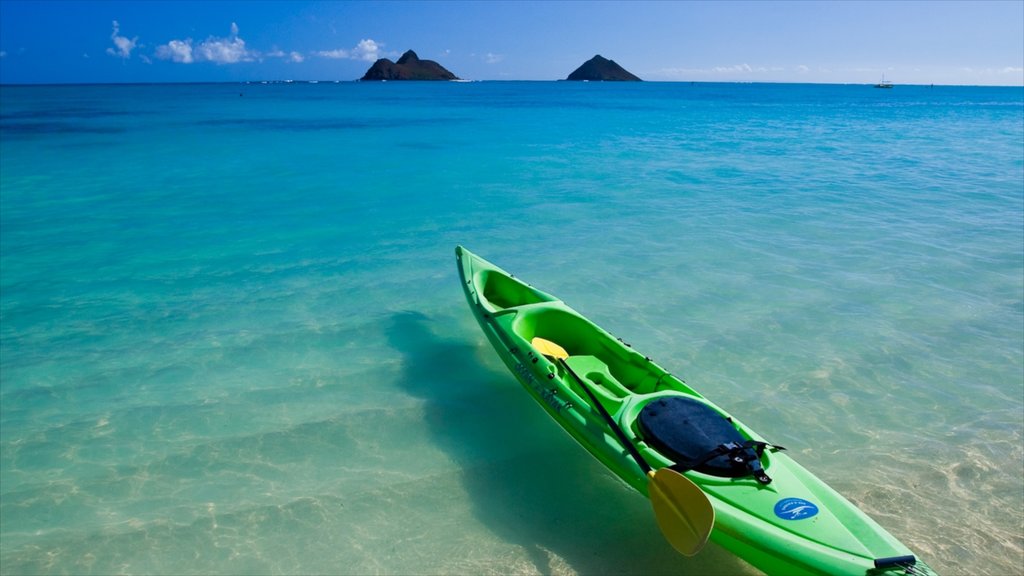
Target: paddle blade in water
[(683, 511)]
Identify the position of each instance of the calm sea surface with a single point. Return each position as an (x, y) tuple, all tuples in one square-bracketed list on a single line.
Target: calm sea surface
[(232, 340)]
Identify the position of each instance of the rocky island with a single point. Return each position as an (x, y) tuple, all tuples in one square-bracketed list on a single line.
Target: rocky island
[(600, 68), (408, 67)]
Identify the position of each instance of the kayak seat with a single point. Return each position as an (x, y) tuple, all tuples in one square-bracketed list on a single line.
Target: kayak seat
[(596, 371), (687, 430)]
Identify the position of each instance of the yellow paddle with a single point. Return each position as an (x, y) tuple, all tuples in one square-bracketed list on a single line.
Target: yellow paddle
[(683, 511)]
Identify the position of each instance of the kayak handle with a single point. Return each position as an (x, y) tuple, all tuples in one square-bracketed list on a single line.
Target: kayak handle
[(883, 563)]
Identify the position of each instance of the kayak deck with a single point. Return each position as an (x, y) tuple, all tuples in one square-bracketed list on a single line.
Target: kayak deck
[(793, 524)]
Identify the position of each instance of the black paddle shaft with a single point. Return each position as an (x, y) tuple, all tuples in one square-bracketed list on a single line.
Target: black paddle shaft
[(611, 421)]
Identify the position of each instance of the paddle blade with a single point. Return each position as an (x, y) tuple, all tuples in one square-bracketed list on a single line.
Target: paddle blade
[(549, 348), (683, 511)]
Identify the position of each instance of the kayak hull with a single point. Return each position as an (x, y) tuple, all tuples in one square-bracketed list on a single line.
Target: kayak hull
[(793, 525)]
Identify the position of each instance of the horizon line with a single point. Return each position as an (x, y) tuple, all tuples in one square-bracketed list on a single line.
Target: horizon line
[(469, 81)]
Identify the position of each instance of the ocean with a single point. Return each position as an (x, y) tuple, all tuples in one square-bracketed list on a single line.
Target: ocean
[(233, 341)]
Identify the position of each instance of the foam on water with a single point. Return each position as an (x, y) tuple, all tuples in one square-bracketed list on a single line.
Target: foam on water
[(233, 340)]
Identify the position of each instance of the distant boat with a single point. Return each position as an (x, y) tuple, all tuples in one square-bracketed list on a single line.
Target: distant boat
[(884, 83)]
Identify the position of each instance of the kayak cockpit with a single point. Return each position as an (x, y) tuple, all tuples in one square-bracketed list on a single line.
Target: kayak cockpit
[(497, 292), (617, 369)]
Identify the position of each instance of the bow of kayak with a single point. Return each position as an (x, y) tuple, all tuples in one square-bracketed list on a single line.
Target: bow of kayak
[(768, 509)]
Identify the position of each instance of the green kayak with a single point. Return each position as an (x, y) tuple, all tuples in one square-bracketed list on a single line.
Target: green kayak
[(767, 509)]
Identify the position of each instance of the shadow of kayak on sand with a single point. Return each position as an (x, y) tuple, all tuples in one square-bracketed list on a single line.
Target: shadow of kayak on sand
[(529, 483)]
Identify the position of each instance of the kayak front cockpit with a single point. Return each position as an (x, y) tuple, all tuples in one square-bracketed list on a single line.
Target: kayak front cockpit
[(498, 292), (612, 365)]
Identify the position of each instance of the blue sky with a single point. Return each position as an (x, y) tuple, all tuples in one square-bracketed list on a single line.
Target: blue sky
[(931, 42)]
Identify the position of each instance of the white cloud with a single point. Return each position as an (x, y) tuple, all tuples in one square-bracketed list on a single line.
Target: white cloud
[(230, 50), (1006, 70), (176, 51), (1008, 75), (123, 44), (490, 58), (334, 54), (223, 51), (367, 49), (733, 72), (290, 56), (746, 69), (733, 69)]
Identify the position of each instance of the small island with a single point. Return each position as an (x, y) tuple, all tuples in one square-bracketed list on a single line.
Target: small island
[(602, 69), (408, 67)]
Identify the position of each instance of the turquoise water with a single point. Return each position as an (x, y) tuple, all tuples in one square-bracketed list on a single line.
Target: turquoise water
[(232, 340)]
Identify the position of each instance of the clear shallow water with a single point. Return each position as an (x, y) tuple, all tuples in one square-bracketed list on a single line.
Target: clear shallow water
[(232, 340)]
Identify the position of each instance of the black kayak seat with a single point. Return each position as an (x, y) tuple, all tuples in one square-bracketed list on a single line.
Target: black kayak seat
[(687, 430)]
